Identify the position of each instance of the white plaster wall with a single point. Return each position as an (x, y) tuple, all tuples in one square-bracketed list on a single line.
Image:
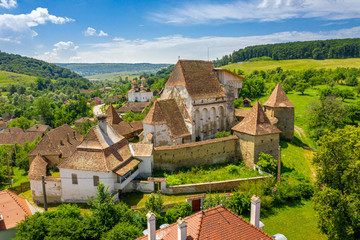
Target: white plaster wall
[(146, 166), (162, 135), (229, 79), (139, 97), (85, 187), (53, 191)]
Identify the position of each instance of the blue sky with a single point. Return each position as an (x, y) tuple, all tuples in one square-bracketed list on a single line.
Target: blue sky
[(161, 31)]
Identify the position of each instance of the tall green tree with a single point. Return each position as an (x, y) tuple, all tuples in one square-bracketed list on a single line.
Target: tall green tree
[(337, 194)]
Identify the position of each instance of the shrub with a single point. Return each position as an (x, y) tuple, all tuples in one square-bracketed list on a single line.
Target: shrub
[(267, 163), (239, 203), (222, 134), (154, 203), (232, 169), (182, 209), (123, 231)]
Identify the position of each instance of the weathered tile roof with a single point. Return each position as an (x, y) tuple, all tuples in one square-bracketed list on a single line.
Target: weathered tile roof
[(278, 98), (167, 111), (37, 168), (137, 126), (133, 107), (256, 123), (113, 116), (38, 128), (13, 209), (126, 167), (215, 223), (123, 128), (142, 150), (242, 112), (61, 140), (3, 124), (83, 119), (198, 77), (20, 137), (99, 151), (13, 130)]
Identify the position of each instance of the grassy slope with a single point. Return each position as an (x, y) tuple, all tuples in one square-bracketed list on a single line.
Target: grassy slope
[(113, 76), (300, 64), (7, 78)]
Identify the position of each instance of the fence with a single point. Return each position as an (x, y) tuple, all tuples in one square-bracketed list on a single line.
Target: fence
[(20, 189)]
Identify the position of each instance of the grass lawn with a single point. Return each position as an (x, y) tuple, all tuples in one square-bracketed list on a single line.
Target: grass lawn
[(297, 65), (19, 176), (295, 222), (196, 174), (7, 78)]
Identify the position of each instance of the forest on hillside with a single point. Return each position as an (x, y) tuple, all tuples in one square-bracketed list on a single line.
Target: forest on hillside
[(33, 67), (89, 69), (321, 49)]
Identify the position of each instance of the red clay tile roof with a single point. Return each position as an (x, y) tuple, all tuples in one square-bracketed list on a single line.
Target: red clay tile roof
[(198, 77), (61, 140), (215, 223), (256, 123), (167, 111), (133, 107), (99, 152), (278, 98), (37, 168), (13, 209)]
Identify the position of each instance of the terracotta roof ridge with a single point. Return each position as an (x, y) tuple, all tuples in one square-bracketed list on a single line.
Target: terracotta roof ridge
[(197, 236), (245, 221)]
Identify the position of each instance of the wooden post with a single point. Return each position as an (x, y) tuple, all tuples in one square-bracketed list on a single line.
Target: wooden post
[(279, 166), (8, 168), (44, 192)]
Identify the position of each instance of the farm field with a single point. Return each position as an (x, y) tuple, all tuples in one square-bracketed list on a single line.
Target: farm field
[(297, 65), (113, 76), (7, 78)]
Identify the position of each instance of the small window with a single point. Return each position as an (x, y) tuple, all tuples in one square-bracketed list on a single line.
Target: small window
[(74, 178), (271, 139), (262, 141), (96, 181)]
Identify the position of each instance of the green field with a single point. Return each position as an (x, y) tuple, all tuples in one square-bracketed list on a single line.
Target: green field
[(7, 78), (297, 65)]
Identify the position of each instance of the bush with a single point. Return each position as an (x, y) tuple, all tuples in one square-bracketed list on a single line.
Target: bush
[(154, 203), (222, 134), (232, 169), (123, 231), (267, 163), (239, 203), (182, 209)]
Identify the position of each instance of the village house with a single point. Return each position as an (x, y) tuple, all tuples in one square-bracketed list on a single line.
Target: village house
[(10, 136), (139, 94), (13, 209), (214, 223), (39, 128), (57, 145), (103, 156), (135, 107), (205, 97), (3, 125), (82, 120)]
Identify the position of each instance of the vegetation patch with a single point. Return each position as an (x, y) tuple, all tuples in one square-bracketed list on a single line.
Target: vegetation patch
[(219, 172)]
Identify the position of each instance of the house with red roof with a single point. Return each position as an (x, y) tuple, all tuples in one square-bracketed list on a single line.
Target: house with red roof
[(13, 210)]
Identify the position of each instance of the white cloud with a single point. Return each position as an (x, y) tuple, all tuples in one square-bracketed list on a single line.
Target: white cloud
[(260, 10), (167, 49), (8, 4), (92, 32), (63, 52), (20, 26)]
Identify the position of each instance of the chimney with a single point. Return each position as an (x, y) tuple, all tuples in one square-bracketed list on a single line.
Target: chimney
[(182, 229), (255, 211), (151, 225), (102, 122)]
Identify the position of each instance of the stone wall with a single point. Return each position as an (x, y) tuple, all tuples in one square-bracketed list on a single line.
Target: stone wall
[(286, 120), (204, 187), (251, 146), (219, 150)]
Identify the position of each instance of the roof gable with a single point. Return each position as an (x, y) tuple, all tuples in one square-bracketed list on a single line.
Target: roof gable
[(198, 77), (278, 98), (256, 123), (113, 117)]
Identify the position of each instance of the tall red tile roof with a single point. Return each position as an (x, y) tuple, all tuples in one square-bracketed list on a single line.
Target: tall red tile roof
[(256, 123), (213, 224), (198, 77), (167, 112), (13, 208), (278, 98)]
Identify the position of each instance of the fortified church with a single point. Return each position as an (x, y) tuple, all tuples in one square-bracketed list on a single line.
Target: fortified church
[(179, 130)]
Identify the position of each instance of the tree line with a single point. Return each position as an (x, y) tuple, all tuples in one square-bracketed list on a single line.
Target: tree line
[(321, 49)]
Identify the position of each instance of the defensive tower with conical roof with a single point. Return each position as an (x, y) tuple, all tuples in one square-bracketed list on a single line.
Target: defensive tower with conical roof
[(280, 107), (256, 134)]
